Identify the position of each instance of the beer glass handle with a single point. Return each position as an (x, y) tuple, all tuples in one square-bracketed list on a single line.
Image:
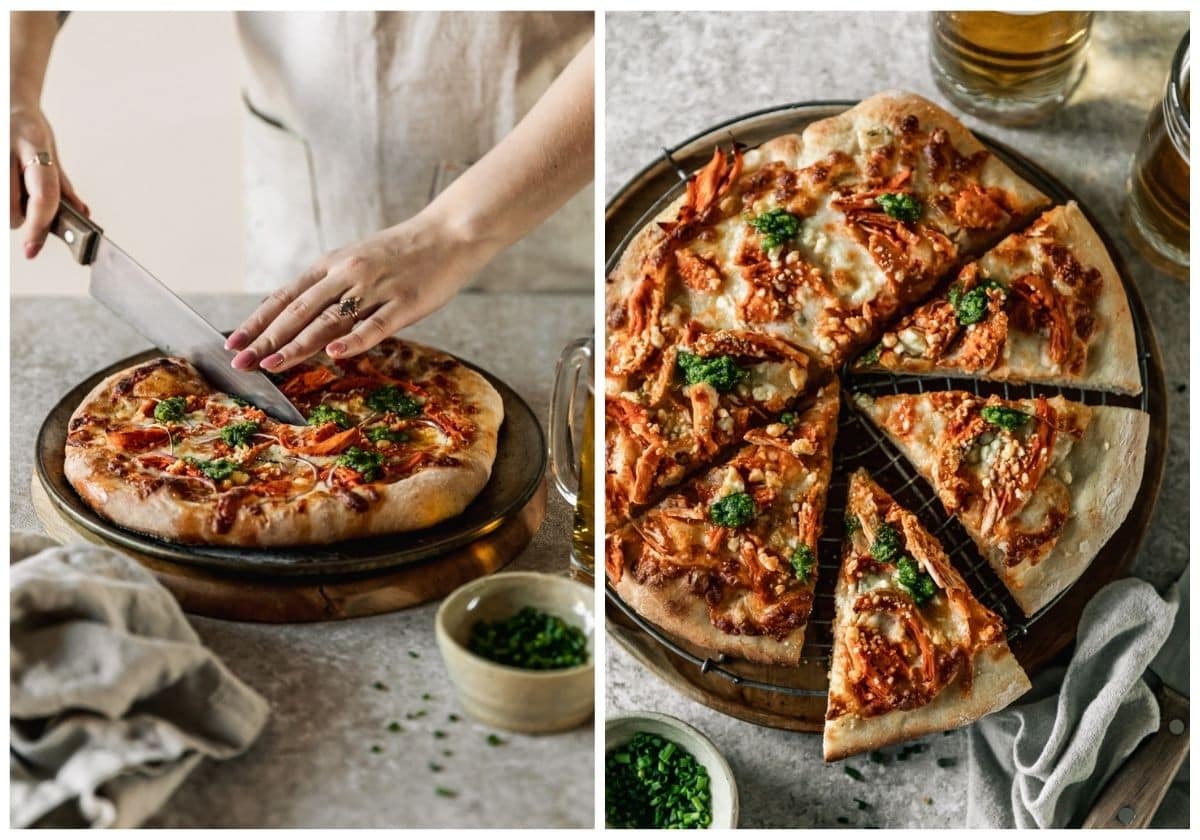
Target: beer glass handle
[(576, 359)]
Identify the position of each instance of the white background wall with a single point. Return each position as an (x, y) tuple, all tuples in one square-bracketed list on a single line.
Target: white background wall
[(146, 111)]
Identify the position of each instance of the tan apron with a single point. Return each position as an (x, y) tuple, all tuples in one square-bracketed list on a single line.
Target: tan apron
[(355, 120)]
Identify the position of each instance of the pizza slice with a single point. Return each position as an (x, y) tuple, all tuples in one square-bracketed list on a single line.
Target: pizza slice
[(728, 563), (913, 651), (1039, 484), (1045, 305), (700, 394), (822, 237)]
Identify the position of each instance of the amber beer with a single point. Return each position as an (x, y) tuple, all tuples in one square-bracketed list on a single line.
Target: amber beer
[(583, 551), (572, 450), (1009, 68), (1159, 191)]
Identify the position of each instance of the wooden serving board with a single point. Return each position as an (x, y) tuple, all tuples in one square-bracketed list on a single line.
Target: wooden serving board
[(236, 597)]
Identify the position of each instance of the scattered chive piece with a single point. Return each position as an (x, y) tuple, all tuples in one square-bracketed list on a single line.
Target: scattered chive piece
[(378, 686), (394, 726), (495, 740), (453, 718), (853, 773), (426, 696), (437, 733), (419, 713), (878, 757), (436, 768), (413, 654), (843, 820), (862, 806), (530, 639), (445, 792), (375, 748), (947, 762), (447, 753)]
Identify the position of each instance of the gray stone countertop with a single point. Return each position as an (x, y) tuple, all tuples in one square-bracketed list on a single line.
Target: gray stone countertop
[(671, 75), (313, 765)]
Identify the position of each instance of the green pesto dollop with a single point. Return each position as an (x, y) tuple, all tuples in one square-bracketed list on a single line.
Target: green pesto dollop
[(170, 410), (776, 226), (733, 511), (721, 372), (902, 206), (367, 464)]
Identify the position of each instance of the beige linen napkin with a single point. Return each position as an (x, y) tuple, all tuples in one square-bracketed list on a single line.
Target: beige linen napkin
[(113, 699)]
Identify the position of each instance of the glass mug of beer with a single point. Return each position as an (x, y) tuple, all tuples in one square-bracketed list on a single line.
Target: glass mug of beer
[(1159, 190), (572, 448), (1011, 68)]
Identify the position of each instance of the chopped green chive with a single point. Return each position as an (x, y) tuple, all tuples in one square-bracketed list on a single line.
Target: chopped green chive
[(651, 782), (530, 639), (853, 773)]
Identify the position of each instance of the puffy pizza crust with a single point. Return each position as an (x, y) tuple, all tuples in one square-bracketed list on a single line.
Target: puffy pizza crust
[(421, 500), (997, 680), (1107, 464), (683, 614)]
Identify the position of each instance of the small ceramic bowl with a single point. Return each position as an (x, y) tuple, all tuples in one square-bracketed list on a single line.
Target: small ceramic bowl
[(620, 729), (517, 699)]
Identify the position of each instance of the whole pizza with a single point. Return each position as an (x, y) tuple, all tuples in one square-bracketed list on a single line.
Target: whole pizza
[(883, 239), (399, 438)]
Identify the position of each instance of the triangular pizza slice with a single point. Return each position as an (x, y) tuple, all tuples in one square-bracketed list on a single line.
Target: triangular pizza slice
[(1039, 484), (821, 238), (694, 399), (913, 651), (1045, 305), (728, 562)]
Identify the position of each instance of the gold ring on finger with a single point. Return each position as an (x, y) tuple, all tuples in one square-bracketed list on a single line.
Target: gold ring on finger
[(41, 159), (348, 307)]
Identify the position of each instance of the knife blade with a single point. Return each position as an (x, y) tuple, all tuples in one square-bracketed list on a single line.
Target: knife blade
[(139, 299)]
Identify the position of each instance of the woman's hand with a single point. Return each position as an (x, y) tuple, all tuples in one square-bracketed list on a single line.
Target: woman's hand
[(34, 189), (396, 276), (403, 273)]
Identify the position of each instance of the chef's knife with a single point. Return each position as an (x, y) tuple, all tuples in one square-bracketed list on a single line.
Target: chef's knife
[(161, 316), (1136, 790)]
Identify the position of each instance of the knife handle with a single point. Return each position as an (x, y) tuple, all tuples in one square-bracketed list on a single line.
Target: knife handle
[(81, 234), (1135, 791)]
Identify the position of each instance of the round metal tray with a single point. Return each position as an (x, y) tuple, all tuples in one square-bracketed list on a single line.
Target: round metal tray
[(520, 464), (859, 443)]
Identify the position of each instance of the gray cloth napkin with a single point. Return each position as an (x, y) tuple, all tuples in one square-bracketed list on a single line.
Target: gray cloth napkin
[(1041, 762), (113, 699)]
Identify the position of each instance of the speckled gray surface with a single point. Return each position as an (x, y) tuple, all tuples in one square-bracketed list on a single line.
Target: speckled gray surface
[(313, 766), (674, 74)]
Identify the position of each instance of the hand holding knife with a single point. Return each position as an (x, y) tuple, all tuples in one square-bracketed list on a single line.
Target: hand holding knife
[(161, 316)]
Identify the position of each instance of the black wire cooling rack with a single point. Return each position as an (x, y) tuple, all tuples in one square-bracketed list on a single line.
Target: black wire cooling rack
[(860, 444)]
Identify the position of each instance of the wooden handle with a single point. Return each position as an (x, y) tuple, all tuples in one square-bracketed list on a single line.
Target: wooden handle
[(1135, 791), (81, 234)]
